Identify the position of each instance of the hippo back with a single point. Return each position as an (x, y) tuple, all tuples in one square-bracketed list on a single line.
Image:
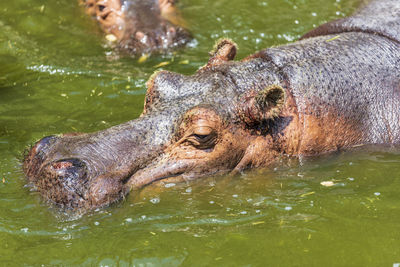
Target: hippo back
[(381, 17)]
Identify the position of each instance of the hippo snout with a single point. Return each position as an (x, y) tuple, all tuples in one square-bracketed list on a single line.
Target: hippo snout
[(62, 181), (75, 171)]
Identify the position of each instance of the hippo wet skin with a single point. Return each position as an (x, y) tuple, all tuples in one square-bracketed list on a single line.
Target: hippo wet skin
[(336, 88)]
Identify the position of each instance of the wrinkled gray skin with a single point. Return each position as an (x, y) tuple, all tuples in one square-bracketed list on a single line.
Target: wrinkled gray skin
[(337, 88)]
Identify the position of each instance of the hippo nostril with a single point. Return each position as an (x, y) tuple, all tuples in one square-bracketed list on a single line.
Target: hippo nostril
[(68, 165), (72, 173), (62, 165)]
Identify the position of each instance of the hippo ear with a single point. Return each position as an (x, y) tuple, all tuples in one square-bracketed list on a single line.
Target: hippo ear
[(224, 50), (266, 105)]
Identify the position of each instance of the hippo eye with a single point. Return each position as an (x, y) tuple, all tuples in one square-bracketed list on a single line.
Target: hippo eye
[(200, 136), (203, 137)]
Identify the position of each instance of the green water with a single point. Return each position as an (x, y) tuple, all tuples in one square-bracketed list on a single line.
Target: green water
[(58, 75)]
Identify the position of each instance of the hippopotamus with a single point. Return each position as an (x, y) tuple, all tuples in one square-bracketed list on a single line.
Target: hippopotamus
[(336, 88), (140, 26)]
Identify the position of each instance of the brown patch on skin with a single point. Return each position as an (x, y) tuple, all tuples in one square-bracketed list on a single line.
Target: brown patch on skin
[(311, 134), (280, 139), (288, 138), (258, 153), (307, 135), (327, 133), (204, 145), (112, 20), (61, 165)]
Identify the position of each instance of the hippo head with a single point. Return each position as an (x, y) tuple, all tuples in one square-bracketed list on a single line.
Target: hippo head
[(140, 26), (220, 120)]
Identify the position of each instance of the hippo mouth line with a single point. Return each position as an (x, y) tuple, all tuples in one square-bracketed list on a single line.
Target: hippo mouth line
[(177, 175), (169, 176), (151, 174)]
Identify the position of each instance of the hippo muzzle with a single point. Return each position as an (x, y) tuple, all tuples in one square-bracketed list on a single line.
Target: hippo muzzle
[(66, 182), (85, 171)]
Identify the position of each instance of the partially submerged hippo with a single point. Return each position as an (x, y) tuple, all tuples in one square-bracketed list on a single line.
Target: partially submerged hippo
[(140, 26), (337, 88)]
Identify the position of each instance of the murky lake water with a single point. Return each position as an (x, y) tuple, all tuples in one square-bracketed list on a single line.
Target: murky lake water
[(58, 75)]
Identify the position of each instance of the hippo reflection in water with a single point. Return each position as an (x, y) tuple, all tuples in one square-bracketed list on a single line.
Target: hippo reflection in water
[(336, 88)]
